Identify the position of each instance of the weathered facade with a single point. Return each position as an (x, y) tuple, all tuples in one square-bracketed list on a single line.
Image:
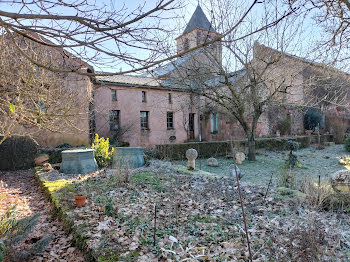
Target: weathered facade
[(138, 110), (52, 107), (121, 110)]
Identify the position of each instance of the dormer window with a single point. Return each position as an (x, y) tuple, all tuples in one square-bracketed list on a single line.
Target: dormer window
[(186, 44)]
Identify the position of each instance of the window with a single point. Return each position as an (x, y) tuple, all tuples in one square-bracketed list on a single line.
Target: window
[(114, 94), (143, 96), (186, 44), (114, 120), (198, 37), (214, 122), (144, 120), (170, 120), (170, 98)]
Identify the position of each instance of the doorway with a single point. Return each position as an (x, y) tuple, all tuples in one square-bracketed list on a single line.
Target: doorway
[(191, 125)]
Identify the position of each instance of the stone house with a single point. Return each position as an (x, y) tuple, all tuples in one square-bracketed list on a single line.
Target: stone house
[(155, 108), (142, 112)]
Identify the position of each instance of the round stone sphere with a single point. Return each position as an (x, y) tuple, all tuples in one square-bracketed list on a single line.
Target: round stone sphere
[(191, 154)]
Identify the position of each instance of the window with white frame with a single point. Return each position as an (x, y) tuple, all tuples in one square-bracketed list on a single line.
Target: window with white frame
[(144, 120), (214, 122), (170, 120)]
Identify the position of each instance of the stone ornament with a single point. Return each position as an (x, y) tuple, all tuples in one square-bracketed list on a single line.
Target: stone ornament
[(240, 157), (212, 162), (340, 181), (191, 155), (232, 172)]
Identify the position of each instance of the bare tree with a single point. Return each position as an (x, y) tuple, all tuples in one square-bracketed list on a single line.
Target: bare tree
[(332, 22), (34, 99), (103, 34), (250, 77)]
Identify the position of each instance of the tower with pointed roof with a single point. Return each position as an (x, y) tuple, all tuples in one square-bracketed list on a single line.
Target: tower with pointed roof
[(198, 31)]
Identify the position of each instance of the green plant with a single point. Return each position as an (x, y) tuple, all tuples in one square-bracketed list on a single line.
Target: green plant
[(17, 152), (347, 144), (13, 231), (312, 119), (103, 154), (110, 210), (292, 160), (150, 154)]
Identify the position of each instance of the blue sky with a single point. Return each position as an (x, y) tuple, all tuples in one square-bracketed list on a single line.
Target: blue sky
[(304, 42)]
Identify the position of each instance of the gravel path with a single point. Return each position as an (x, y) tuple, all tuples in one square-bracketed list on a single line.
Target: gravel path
[(20, 188)]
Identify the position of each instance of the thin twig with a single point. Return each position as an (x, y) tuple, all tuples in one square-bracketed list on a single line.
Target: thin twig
[(319, 187), (268, 187), (241, 200), (155, 225)]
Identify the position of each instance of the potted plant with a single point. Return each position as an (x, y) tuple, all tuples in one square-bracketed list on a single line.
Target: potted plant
[(79, 196)]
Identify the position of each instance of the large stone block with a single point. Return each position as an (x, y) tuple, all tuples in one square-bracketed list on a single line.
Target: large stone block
[(340, 181), (128, 156), (78, 161)]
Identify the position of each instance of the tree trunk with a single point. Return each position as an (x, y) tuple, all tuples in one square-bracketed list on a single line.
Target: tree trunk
[(251, 148)]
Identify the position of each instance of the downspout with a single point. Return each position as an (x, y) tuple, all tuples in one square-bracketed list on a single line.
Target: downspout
[(199, 119)]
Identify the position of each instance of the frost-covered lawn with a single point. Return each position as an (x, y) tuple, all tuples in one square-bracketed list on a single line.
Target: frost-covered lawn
[(199, 215), (314, 162), (198, 219)]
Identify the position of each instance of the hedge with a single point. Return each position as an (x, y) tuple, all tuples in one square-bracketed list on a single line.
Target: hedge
[(222, 148), (18, 152)]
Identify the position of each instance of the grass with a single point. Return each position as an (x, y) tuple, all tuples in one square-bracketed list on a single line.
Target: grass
[(313, 163), (149, 178)]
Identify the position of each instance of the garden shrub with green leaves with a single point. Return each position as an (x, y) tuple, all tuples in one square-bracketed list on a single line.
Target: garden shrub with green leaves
[(347, 144), (103, 153), (292, 158), (312, 119)]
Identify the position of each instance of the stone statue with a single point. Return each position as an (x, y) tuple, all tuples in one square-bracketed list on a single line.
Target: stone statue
[(212, 162), (240, 157), (191, 155)]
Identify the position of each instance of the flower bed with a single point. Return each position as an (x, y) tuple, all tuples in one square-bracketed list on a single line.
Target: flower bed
[(198, 217)]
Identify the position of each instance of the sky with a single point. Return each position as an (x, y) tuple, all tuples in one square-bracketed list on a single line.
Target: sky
[(304, 42)]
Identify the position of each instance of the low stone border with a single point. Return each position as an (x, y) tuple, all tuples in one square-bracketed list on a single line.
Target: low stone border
[(50, 182)]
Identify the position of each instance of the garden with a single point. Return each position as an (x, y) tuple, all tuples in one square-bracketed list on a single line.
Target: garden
[(165, 212)]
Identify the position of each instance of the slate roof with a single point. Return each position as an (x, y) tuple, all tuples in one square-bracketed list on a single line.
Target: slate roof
[(198, 20), (129, 80), (171, 66)]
